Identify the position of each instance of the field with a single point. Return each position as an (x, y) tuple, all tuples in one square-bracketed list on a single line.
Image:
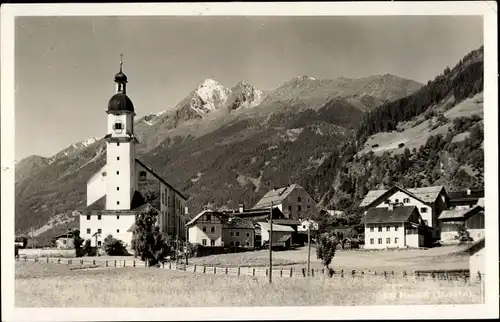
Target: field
[(55, 285), (448, 257)]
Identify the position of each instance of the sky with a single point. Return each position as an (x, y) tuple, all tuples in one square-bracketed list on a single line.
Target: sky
[(64, 66)]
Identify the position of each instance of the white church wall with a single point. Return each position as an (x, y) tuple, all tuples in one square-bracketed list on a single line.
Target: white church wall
[(119, 178), (96, 186), (110, 223)]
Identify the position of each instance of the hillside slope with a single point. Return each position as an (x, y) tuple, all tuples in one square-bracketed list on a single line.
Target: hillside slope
[(222, 150), (432, 137)]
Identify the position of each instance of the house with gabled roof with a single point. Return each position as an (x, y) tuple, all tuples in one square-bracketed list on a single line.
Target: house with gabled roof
[(125, 186), (464, 199), (281, 234), (394, 227), (430, 201), (238, 232), (293, 201), (206, 228), (472, 219)]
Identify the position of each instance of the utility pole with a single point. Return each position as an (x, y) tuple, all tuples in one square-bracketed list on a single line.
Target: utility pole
[(309, 245), (187, 244), (271, 244)]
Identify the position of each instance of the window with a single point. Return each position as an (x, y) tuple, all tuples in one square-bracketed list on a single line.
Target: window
[(118, 126), (64, 241), (299, 199), (423, 210), (396, 240), (118, 144), (388, 228), (99, 217), (104, 174), (379, 228), (88, 231), (99, 230), (299, 208), (162, 198), (231, 233), (248, 234), (117, 188), (204, 229), (99, 243), (372, 241), (142, 175), (396, 228), (88, 217), (406, 200), (118, 230), (212, 242), (237, 244), (212, 229), (118, 158), (397, 200), (387, 240), (117, 202), (308, 206), (371, 229), (290, 208), (237, 234), (117, 172), (426, 223), (117, 216), (380, 241), (204, 242), (231, 243), (209, 218), (248, 244)]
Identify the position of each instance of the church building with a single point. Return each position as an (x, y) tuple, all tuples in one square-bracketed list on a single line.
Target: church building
[(126, 186)]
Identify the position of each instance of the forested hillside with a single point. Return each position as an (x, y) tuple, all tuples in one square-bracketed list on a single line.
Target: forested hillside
[(454, 159)]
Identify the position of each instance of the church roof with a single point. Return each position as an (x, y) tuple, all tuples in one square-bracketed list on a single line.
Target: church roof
[(138, 203), (120, 103), (120, 77), (160, 179)]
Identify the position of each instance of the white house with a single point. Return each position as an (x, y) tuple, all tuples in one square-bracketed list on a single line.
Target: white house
[(206, 228), (305, 224), (393, 227), (125, 186), (293, 201), (281, 234), (472, 219), (430, 201)]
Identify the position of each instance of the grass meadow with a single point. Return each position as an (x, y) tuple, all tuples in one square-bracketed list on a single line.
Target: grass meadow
[(55, 285)]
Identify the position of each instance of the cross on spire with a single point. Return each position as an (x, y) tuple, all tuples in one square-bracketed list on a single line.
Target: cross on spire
[(121, 62)]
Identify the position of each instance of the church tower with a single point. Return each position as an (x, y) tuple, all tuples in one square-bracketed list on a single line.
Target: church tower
[(120, 147)]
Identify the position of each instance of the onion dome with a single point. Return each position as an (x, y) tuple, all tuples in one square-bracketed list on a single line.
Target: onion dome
[(120, 103)]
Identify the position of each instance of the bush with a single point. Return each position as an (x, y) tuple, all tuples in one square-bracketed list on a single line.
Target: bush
[(114, 247), (400, 145)]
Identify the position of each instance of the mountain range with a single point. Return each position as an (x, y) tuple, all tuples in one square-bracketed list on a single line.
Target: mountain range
[(225, 145)]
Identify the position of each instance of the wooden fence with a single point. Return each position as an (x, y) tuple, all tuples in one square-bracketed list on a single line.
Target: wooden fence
[(450, 275)]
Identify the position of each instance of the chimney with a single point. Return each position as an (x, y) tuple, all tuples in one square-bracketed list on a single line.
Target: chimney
[(390, 207), (468, 192), (241, 208), (186, 210)]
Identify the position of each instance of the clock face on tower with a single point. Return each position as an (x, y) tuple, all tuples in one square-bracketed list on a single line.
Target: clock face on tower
[(118, 127)]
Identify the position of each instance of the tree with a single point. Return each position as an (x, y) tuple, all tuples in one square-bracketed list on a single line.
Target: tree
[(87, 248), (77, 243), (114, 247), (325, 249), (149, 243)]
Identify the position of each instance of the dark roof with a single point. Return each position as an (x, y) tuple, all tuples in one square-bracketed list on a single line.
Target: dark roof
[(477, 246), (219, 214), (384, 215), (238, 223), (138, 202), (287, 222), (426, 195), (464, 196), (276, 196), (120, 103), (459, 213), (284, 238), (260, 213), (160, 179)]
